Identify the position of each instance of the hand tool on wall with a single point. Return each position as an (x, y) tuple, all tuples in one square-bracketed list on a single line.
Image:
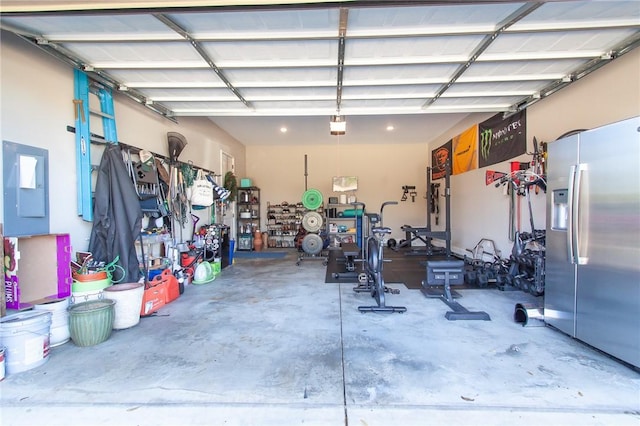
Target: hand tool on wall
[(409, 190)]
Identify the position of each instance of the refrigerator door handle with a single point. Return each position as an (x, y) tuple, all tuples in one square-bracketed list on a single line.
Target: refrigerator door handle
[(571, 249), (575, 211)]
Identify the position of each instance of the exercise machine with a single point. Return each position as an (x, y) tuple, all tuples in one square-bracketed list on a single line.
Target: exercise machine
[(446, 273), (372, 279), (426, 234)]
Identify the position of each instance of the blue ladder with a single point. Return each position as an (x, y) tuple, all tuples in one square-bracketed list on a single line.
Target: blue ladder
[(84, 168)]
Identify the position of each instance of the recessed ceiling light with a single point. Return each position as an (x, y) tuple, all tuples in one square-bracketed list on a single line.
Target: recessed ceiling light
[(390, 127), (283, 129)]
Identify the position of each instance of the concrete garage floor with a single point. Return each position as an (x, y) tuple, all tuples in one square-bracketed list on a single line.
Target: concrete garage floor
[(269, 343)]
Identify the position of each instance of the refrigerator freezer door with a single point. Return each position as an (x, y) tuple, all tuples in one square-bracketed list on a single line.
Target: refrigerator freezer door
[(560, 275), (608, 289)]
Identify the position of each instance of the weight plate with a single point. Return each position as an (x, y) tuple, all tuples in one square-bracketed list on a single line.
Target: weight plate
[(312, 199), (312, 244), (312, 221)]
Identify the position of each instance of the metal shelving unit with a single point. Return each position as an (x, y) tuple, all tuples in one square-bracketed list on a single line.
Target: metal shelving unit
[(283, 222), (247, 216), (343, 229)]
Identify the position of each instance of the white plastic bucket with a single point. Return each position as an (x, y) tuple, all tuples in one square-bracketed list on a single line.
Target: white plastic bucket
[(86, 296), (25, 336), (88, 290), (59, 320), (128, 297)]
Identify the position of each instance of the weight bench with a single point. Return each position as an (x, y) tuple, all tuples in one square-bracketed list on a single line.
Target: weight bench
[(425, 235), (447, 273), (350, 252)]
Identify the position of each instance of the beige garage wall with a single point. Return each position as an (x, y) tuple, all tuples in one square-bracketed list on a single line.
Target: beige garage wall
[(381, 170), (37, 94)]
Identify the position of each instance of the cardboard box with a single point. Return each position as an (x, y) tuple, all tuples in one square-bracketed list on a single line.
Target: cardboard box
[(3, 302), (37, 268)]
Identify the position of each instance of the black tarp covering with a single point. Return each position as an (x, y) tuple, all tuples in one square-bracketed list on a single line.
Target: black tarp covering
[(117, 216)]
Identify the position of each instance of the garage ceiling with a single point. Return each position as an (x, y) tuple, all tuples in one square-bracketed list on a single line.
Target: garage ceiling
[(420, 65)]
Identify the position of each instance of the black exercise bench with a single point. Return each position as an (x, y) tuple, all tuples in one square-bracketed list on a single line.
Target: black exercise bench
[(425, 235), (350, 252), (447, 273)]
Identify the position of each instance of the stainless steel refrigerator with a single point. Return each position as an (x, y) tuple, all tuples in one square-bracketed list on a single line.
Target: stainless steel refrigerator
[(592, 287)]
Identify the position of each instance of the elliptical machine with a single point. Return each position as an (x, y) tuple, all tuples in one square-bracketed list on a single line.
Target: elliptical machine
[(372, 279)]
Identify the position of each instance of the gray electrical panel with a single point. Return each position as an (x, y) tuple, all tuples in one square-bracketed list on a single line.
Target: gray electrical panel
[(26, 189)]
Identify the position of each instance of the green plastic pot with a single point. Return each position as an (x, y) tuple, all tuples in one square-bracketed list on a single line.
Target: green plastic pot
[(91, 323)]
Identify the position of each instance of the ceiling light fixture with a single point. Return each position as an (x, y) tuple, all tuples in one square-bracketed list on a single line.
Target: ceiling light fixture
[(283, 129), (337, 125), (390, 127)]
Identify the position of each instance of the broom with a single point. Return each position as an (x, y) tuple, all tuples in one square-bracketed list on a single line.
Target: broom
[(177, 142)]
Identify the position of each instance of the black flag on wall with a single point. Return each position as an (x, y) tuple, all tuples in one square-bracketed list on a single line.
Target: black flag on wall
[(441, 161), (501, 139)]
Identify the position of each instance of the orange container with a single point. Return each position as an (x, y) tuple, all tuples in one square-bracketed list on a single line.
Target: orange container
[(153, 299), (94, 276), (187, 260), (170, 284)]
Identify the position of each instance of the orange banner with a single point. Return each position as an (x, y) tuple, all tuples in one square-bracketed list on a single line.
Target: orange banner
[(465, 152)]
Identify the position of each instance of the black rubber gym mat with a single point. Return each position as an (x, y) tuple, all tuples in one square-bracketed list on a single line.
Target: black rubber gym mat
[(407, 270), (401, 268)]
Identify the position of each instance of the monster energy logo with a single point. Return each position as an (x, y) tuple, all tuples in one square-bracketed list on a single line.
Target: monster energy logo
[(485, 143)]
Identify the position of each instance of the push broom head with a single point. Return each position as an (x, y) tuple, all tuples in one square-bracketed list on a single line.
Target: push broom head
[(177, 142)]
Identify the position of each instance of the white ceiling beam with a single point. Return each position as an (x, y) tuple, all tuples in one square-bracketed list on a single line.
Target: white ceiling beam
[(347, 83), (469, 108), (111, 37), (487, 94), (564, 26), (509, 78), (329, 34), (150, 65), (533, 56), (360, 62), (363, 97), (272, 112), (174, 85)]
